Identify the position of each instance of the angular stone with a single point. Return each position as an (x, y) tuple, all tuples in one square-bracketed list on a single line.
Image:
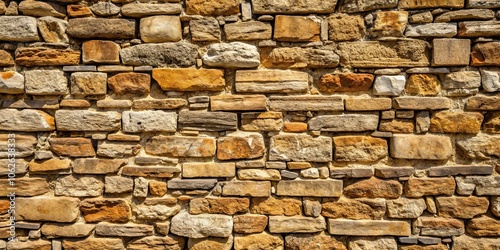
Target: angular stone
[(165, 54), (78, 10), (389, 24), (179, 146), (416, 4), (296, 224), (88, 83), (232, 55), (370, 54), (418, 187), (431, 30), (27, 120), (450, 52), (466, 14), (479, 28), (492, 123), (389, 85), (159, 29), (422, 103), (288, 147), (313, 188), (209, 8), (118, 184), (359, 148), (465, 242), (237, 102), (46, 82), (137, 10), (192, 184), (130, 84), (109, 209), (247, 188), (101, 52), (483, 226), (6, 59), (156, 209), (485, 54), (345, 122), (491, 79), (462, 79), (85, 120), (206, 30), (362, 243), (149, 121), (196, 170), (480, 147), (249, 223), (24, 186), (104, 28), (484, 185), (405, 208), (262, 240), (11, 82), (43, 208), (123, 230), (397, 126), (105, 9), (43, 57), (460, 170), (278, 7), (172, 103), (462, 207), (368, 227), (21, 166), (295, 57), (227, 206), (153, 242), (117, 149), (240, 146), (189, 79), (208, 121), (276, 206), (346, 82), (18, 29), (77, 230), (412, 147), (320, 241), (39, 8), (393, 172), (211, 243), (306, 103), (423, 85), (366, 5), (84, 186), (73, 147), (351, 172), (359, 209), (487, 103), (265, 121), (93, 244), (25, 146), (296, 28), (366, 189), (437, 226), (52, 164), (248, 31), (343, 27), (259, 174), (455, 122), (53, 30), (28, 245), (200, 226)]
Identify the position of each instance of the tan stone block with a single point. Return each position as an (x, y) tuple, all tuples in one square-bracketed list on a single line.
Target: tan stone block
[(450, 52), (102, 28), (171, 103), (389, 24), (313, 188), (360, 209), (101, 52), (189, 79), (88, 83), (423, 85), (465, 242), (213, 8), (29, 245), (306, 103), (296, 57), (262, 240), (462, 207), (487, 103), (211, 243), (265, 121), (421, 103), (180, 146), (248, 31), (247, 188), (422, 4), (130, 84), (276, 206), (320, 241), (389, 189), (278, 7), (346, 82), (424, 147), (24, 186), (105, 209), (249, 223), (296, 224), (271, 81), (438, 226), (72, 147), (397, 126), (227, 206), (456, 122), (259, 174), (418, 187), (78, 10), (344, 27), (42, 208), (237, 102), (31, 57), (368, 227), (77, 230), (240, 146), (49, 165), (6, 59), (216, 169), (296, 28), (484, 226), (93, 244), (159, 29), (484, 54), (295, 127), (359, 148), (157, 188), (290, 147), (368, 104)]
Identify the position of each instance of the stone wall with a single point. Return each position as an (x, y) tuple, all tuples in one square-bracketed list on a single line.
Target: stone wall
[(251, 124)]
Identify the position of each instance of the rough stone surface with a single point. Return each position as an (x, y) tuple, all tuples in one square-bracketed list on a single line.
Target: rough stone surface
[(189, 79), (374, 188), (298, 224), (359, 148), (295, 57), (284, 147), (411, 147), (28, 120), (200, 226), (343, 27), (232, 55), (18, 29), (164, 54), (368, 227), (56, 209), (346, 122), (296, 28), (70, 120), (101, 28), (273, 7), (158, 29)]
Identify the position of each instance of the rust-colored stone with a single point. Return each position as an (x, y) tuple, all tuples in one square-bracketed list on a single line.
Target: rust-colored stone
[(276, 206), (418, 187), (485, 54), (484, 226), (249, 223), (296, 28), (354, 209), (102, 52), (189, 79), (228, 206), (348, 82), (374, 188), (72, 147), (130, 84), (397, 126), (423, 85), (31, 57), (456, 122)]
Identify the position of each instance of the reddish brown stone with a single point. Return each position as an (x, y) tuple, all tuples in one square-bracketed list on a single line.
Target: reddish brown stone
[(276, 206), (76, 10), (31, 57), (418, 187), (296, 28), (72, 147), (423, 85), (49, 165), (462, 207), (110, 210), (349, 82), (130, 84), (486, 54), (456, 122), (244, 146), (374, 188), (250, 223), (97, 51), (484, 226)]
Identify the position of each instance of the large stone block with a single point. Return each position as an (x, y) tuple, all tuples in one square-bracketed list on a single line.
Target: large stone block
[(109, 210), (211, 8), (480, 147), (296, 28), (248, 31), (102, 52), (419, 187), (345, 123), (423, 4), (438, 227), (196, 170), (18, 29), (247, 188), (232, 55), (358, 209), (419, 147), (159, 29), (164, 54), (44, 57), (189, 79), (208, 121), (366, 5), (57, 209), (28, 120), (278, 7), (314, 188), (359, 148), (82, 186), (296, 224), (45, 82), (24, 187), (421, 103), (93, 244), (389, 189), (238, 102), (149, 121), (343, 27), (88, 83), (138, 10), (465, 242), (346, 82), (486, 54), (104, 28), (132, 85), (227, 206), (450, 52), (76, 230), (288, 147), (462, 207), (240, 146), (72, 147), (368, 227), (181, 146), (271, 81), (201, 226), (479, 28), (296, 57), (262, 240), (306, 103), (456, 122), (85, 120)]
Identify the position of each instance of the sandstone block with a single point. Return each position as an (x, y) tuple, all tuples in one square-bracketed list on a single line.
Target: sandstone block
[(180, 146), (27, 120), (117, 149), (100, 209), (46, 57), (88, 83), (205, 30), (84, 120), (77, 230), (421, 103), (105, 9), (46, 82), (237, 102), (84, 186), (249, 223), (405, 208), (130, 84), (123, 230), (210, 8), (306, 103), (93, 244), (232, 55), (262, 240), (345, 122), (278, 7), (211, 243), (169, 241), (138, 10), (480, 147), (165, 54), (248, 31), (11, 82), (320, 240), (53, 30), (347, 82), (355, 209), (276, 206), (343, 27), (170, 103), (454, 122), (208, 121), (259, 174), (431, 30), (492, 123), (437, 226), (247, 188), (156, 209), (487, 103), (200, 226), (72, 147), (359, 148), (18, 29), (479, 28), (423, 85), (296, 224), (149, 121), (189, 79), (97, 166), (462, 79), (196, 170), (240, 146), (418, 187), (284, 148), (485, 54), (52, 164), (389, 24), (365, 5), (296, 28), (262, 121), (368, 227), (465, 242), (462, 207), (429, 147), (104, 28), (56, 209), (227, 206), (450, 52), (415, 4), (101, 52), (159, 29), (295, 57), (24, 187), (483, 226), (365, 189), (313, 188)]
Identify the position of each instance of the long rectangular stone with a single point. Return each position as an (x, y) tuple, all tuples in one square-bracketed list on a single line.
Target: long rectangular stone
[(296, 224), (251, 30), (368, 227), (483, 4), (189, 79), (247, 188), (86, 120), (106, 28), (149, 121), (314, 188), (28, 120), (486, 103), (345, 122), (423, 4), (44, 57), (479, 29), (238, 102), (381, 54), (150, 171), (18, 29), (422, 103), (192, 184), (301, 147), (57, 209), (293, 7), (297, 57), (202, 169), (208, 121), (97, 166), (306, 103), (181, 146), (461, 170), (271, 81), (421, 147)]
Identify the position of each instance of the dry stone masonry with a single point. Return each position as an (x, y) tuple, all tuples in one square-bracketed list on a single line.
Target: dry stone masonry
[(251, 124)]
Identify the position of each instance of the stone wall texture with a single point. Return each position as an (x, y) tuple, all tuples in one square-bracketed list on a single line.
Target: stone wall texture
[(251, 124)]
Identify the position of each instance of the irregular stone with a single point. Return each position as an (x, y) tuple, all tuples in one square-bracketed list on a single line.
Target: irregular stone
[(423, 85), (46, 82), (85, 120), (421, 103), (359, 209), (490, 79), (211, 243), (295, 57), (149, 121), (104, 28), (465, 242), (227, 206), (130, 84), (492, 123), (159, 29), (93, 244), (88, 83), (232, 55), (374, 188), (196, 170), (77, 10), (101, 52), (265, 121), (24, 186), (466, 14), (262, 240), (180, 146), (28, 245), (84, 186), (43, 208), (52, 164), (389, 85), (27, 120), (259, 174), (200, 226), (454, 122), (192, 184), (345, 122), (405, 208), (123, 230), (361, 243), (77, 230), (318, 241), (346, 82), (247, 188), (484, 185), (205, 30), (483, 226), (53, 30), (6, 59), (21, 166), (288, 147), (44, 57), (249, 223), (165, 54), (462, 207), (276, 206), (431, 30), (313, 188), (11, 82), (137, 10), (438, 227), (359, 148), (487, 103), (296, 224), (366, 5), (172, 103), (415, 4), (296, 28), (306, 103), (209, 8), (189, 79), (450, 52), (248, 31), (391, 172), (460, 170), (387, 54), (18, 29), (140, 187), (418, 187), (343, 27), (39, 8), (397, 126), (117, 149), (156, 209), (389, 24), (118, 184), (462, 79), (237, 102), (72, 147), (480, 147), (156, 242), (479, 28), (105, 9), (368, 227), (208, 121), (105, 209)]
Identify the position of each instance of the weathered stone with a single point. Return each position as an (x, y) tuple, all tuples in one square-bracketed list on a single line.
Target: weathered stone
[(141, 186), (249, 223), (18, 29), (423, 85), (483, 185), (53, 30), (208, 121), (118, 184), (77, 230), (200, 226), (487, 103), (232, 55), (362, 243), (368, 227), (28, 245), (77, 10), (123, 230), (178, 146), (351, 172), (431, 30), (465, 14), (492, 123), (374, 188), (211, 243), (389, 24), (347, 82), (318, 241), (39, 8), (52, 164), (192, 184), (306, 103), (209, 8), (165, 54), (373, 209), (157, 188), (265, 121), (454, 122), (450, 52), (313, 188), (5, 59), (158, 29), (248, 31), (397, 126), (45, 82), (88, 83), (359, 148), (237, 102), (276, 206), (156, 209), (437, 226), (259, 174), (189, 79), (389, 85), (196, 170), (247, 188), (130, 84), (296, 224), (465, 242), (491, 79), (93, 244), (462, 207), (405, 208), (296, 28), (57, 209), (172, 103), (43, 57), (415, 4), (392, 172), (24, 187), (483, 226), (343, 27), (155, 242), (295, 57), (462, 79), (102, 52), (366, 5), (300, 148), (105, 9), (110, 210), (73, 147), (295, 127), (421, 103), (278, 7), (149, 121), (480, 147), (262, 240), (21, 166), (460, 170), (369, 54), (479, 28), (84, 120), (205, 30), (28, 120), (11, 82), (227, 206), (84, 186), (345, 122), (104, 28)]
